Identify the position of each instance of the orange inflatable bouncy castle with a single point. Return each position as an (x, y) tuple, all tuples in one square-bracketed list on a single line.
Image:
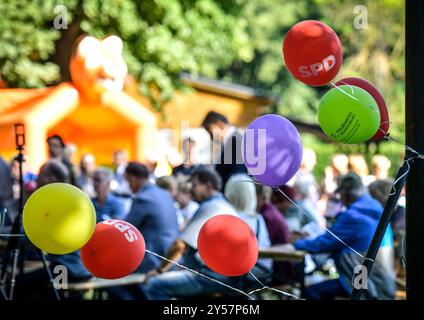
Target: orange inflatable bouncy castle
[(92, 111)]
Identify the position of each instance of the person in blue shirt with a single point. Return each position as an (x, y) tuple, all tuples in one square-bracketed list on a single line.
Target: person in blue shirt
[(163, 284), (152, 212), (355, 227), (106, 204)]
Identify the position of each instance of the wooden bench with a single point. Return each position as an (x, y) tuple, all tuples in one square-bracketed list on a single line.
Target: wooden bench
[(277, 253), (97, 283)]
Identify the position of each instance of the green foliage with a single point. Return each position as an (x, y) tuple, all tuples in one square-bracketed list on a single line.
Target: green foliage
[(162, 38), (26, 43), (268, 21), (375, 53), (236, 40)]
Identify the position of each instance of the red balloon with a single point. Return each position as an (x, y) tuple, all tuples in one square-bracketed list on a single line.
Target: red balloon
[(312, 52), (384, 113), (228, 245), (114, 251)]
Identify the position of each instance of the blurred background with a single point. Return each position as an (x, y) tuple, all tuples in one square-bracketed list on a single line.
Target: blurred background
[(186, 58)]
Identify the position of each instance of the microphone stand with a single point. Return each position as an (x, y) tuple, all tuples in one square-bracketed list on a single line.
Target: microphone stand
[(13, 246)]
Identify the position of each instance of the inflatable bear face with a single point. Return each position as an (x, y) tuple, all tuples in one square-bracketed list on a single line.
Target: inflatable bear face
[(97, 66)]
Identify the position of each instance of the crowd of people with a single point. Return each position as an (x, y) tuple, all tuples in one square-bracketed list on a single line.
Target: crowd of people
[(170, 211)]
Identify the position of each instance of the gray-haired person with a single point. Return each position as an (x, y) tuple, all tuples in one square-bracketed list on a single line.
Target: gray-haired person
[(106, 204), (352, 231)]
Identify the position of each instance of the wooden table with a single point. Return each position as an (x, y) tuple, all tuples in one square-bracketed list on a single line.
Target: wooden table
[(282, 252), (287, 253)]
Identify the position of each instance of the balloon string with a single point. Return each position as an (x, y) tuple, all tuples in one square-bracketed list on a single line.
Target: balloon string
[(310, 216), (351, 96), (265, 287), (200, 274), (222, 283), (402, 176), (326, 229), (418, 155), (386, 134), (347, 84), (12, 235), (410, 149)]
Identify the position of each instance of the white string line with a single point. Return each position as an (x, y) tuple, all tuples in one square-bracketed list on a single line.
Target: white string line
[(347, 84), (351, 96), (402, 176), (419, 155), (326, 229), (310, 216), (3, 220), (200, 274), (272, 289), (386, 134)]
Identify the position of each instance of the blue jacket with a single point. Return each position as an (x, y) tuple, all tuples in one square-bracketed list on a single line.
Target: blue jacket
[(154, 214), (356, 227), (113, 208)]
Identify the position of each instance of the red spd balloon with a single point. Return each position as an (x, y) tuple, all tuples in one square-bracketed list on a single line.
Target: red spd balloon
[(312, 52), (114, 251), (384, 113), (228, 245)]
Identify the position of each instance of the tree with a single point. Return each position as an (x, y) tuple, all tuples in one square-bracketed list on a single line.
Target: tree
[(162, 38), (375, 53), (27, 41)]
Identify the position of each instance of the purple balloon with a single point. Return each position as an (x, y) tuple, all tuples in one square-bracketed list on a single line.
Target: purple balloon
[(272, 150)]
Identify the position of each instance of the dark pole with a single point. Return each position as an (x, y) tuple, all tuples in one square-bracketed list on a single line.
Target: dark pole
[(385, 219), (414, 25), (12, 250)]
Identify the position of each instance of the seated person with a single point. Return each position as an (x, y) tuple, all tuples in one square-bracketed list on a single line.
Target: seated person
[(106, 204), (241, 193), (277, 229), (302, 191), (296, 219), (152, 212), (186, 206), (168, 183), (163, 284), (355, 227)]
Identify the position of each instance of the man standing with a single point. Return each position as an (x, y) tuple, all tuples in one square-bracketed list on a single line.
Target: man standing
[(152, 212), (228, 159)]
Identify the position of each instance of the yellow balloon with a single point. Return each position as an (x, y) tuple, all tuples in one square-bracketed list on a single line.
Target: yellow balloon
[(59, 218)]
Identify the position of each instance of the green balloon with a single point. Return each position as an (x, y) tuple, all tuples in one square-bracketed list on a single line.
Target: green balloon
[(348, 114)]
